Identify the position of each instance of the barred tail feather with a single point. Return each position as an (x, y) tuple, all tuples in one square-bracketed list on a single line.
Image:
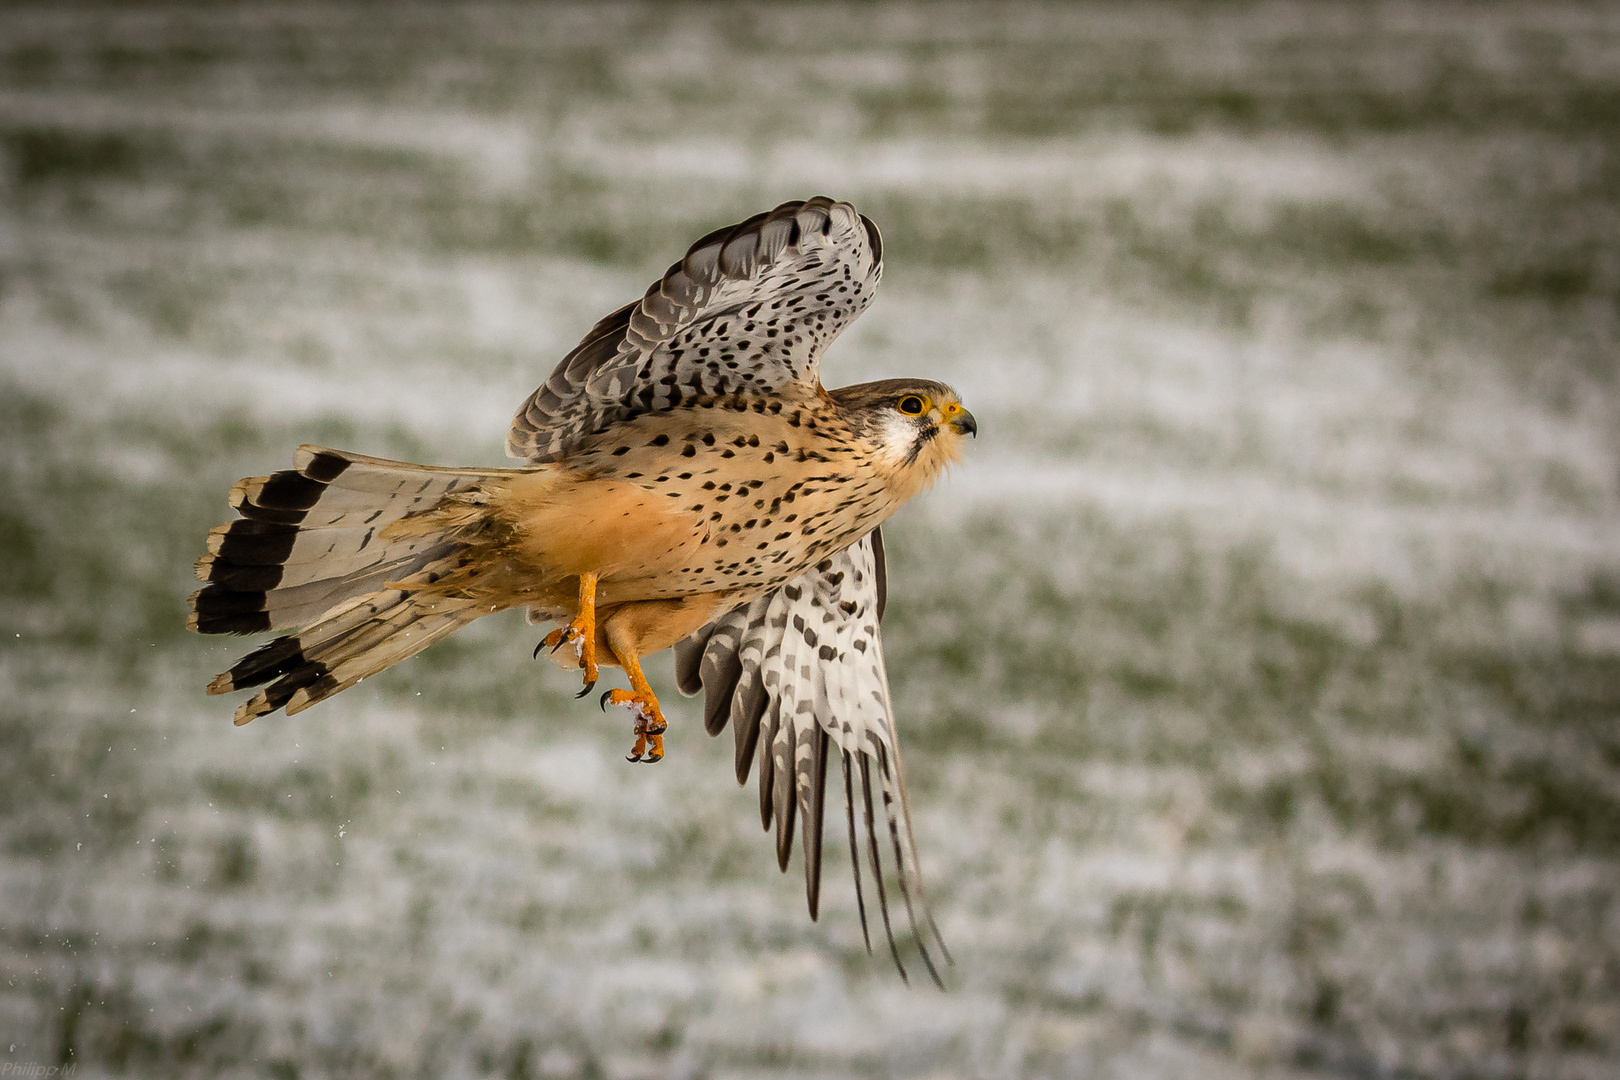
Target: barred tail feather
[(317, 535), (313, 552), (352, 643)]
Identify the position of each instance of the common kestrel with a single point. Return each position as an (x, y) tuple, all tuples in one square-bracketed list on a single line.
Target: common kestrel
[(690, 483)]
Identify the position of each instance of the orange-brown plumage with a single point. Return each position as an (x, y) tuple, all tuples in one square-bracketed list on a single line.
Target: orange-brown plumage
[(719, 498)]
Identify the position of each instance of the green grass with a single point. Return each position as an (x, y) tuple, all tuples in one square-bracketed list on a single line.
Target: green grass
[(1183, 806)]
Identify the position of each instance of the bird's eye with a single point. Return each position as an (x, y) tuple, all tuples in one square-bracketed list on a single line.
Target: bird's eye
[(911, 405)]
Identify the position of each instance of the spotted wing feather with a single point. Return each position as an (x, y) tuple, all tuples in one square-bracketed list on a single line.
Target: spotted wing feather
[(799, 675), (751, 307)]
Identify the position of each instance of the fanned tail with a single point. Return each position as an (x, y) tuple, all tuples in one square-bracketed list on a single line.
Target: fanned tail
[(344, 549)]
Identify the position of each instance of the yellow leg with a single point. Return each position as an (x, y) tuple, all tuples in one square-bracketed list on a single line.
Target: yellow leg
[(582, 632), (639, 699)]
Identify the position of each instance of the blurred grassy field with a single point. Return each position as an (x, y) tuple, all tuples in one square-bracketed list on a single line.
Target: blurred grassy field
[(1259, 671)]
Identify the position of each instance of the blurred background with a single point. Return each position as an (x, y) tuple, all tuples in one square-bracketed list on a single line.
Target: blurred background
[(1258, 672)]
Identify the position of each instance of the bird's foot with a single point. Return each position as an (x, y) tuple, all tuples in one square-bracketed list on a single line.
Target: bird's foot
[(650, 725), (581, 633)]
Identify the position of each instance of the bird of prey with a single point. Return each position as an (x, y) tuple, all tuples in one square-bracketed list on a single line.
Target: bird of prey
[(689, 483)]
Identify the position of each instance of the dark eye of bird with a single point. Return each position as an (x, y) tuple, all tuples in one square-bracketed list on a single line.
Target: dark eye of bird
[(911, 405)]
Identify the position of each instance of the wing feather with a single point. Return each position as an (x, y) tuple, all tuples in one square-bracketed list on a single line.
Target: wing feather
[(854, 845), (812, 809), (751, 307), (873, 851), (783, 768), (800, 671)]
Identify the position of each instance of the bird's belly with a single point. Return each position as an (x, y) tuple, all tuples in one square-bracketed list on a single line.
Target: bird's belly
[(567, 526)]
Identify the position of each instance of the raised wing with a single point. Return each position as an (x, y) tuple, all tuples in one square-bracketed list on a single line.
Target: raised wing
[(750, 307), (796, 673)]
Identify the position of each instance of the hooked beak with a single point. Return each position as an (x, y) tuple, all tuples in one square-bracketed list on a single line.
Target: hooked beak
[(964, 424)]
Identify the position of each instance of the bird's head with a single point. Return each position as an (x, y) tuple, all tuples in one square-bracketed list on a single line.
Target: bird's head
[(914, 427)]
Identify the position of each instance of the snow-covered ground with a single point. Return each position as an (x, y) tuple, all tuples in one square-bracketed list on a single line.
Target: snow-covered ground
[(1259, 670)]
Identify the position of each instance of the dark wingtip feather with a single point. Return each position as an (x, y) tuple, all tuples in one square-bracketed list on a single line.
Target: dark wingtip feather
[(873, 237), (689, 663), (720, 676), (786, 821), (939, 939), (911, 917), (900, 875), (765, 733), (855, 847), (877, 868), (784, 791), (814, 814), (881, 569), (750, 712)]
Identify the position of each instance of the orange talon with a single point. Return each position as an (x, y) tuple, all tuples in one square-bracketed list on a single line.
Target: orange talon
[(650, 725), (581, 632), (639, 699)]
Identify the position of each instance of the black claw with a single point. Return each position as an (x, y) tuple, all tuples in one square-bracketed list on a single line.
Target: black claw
[(537, 649), (604, 699), (632, 757), (588, 688)]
